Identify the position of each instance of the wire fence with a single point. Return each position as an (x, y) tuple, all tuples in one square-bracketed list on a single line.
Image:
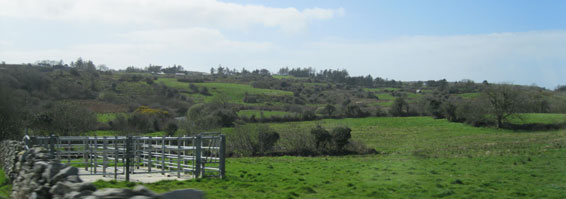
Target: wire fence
[(202, 155)]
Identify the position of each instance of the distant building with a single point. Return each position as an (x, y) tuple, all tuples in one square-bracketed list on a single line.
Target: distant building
[(179, 74), (419, 91)]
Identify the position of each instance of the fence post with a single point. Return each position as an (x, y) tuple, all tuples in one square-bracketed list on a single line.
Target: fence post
[(85, 154), (104, 156), (52, 141), (163, 155), (128, 151), (115, 157), (198, 151), (95, 154), (178, 157), (221, 156), (150, 156)]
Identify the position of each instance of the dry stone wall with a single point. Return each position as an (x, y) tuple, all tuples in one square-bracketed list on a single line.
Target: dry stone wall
[(34, 175)]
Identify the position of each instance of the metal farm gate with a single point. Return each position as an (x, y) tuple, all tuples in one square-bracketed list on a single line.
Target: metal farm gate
[(201, 155)]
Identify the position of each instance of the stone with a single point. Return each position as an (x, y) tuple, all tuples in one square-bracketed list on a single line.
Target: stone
[(141, 197), (141, 190), (62, 188), (113, 193), (63, 173), (184, 193)]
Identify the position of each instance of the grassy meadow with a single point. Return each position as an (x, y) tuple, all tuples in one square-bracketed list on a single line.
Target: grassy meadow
[(419, 157), (257, 113), (234, 93)]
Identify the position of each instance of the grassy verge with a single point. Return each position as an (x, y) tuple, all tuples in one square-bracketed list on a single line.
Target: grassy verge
[(5, 186)]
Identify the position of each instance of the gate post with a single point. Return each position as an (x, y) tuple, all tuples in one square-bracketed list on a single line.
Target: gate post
[(198, 151), (127, 156), (221, 156), (52, 141)]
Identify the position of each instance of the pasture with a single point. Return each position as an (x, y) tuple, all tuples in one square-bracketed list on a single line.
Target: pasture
[(419, 157), (234, 93), (259, 113)]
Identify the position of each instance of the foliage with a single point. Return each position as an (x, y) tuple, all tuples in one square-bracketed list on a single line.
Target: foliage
[(341, 137), (65, 119), (504, 101), (171, 129), (251, 140), (400, 107), (321, 137)]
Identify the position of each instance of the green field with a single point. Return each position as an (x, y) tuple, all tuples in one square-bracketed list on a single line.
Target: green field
[(540, 118), (234, 93), (257, 113), (107, 117), (420, 157), (284, 77), (469, 95)]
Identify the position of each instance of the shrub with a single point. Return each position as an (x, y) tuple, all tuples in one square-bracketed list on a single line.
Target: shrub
[(341, 136), (251, 140), (171, 129), (66, 119), (204, 91), (266, 139), (321, 137)]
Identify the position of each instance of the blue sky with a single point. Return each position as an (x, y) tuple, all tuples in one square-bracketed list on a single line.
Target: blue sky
[(521, 42)]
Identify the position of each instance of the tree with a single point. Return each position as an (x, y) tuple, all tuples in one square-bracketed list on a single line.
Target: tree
[(154, 69), (341, 136), (10, 123), (66, 119), (503, 101), (321, 136), (400, 107), (266, 139), (171, 129), (329, 109)]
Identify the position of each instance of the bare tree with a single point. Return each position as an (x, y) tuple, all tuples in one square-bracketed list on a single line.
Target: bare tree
[(504, 100)]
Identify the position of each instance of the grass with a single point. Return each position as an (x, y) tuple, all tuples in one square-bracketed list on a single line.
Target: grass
[(107, 117), (5, 186), (420, 158), (540, 118), (257, 113), (232, 92), (469, 95), (286, 77)]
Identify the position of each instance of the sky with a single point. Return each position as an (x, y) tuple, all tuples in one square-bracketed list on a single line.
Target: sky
[(506, 41)]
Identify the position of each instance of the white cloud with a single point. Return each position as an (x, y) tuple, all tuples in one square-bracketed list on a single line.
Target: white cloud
[(192, 40), (168, 13), (140, 48), (523, 57)]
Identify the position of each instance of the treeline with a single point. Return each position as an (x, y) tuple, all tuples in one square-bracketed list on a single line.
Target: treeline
[(495, 105), (52, 97)]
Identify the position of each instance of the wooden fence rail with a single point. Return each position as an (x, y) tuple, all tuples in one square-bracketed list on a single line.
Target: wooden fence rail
[(202, 155)]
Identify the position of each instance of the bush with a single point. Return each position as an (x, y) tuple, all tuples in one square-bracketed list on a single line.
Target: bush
[(66, 119), (321, 137), (171, 129), (266, 139), (204, 91), (251, 140), (202, 117), (341, 136)]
